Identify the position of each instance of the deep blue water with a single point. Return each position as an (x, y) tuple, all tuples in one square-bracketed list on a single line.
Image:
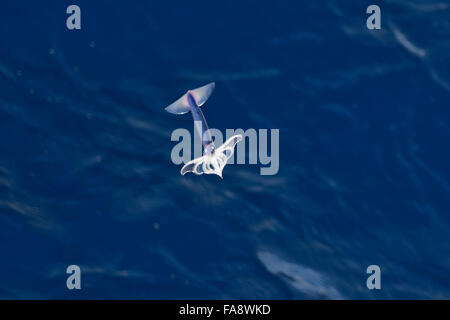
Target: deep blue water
[(85, 170)]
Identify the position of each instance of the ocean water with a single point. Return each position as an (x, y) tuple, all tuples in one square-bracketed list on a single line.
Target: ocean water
[(86, 176)]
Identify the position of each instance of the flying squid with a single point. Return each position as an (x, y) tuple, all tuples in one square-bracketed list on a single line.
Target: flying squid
[(214, 159)]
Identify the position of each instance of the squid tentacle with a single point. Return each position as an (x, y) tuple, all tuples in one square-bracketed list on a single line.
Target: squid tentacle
[(213, 163)]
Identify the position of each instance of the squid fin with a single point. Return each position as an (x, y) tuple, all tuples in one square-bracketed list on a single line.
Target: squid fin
[(202, 94), (180, 106)]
